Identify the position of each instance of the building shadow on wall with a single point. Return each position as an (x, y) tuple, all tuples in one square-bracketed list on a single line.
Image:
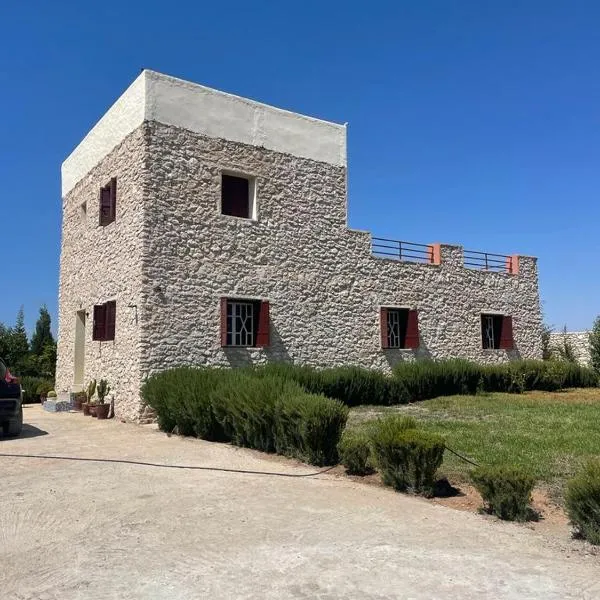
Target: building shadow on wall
[(244, 357), (393, 357)]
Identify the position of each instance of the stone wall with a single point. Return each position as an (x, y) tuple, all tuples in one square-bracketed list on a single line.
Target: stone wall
[(98, 264), (579, 341), (324, 286)]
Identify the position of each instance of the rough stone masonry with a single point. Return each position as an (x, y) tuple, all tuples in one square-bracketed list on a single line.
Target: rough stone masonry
[(186, 278)]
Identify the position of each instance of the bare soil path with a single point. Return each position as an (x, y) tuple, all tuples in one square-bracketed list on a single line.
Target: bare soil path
[(78, 529)]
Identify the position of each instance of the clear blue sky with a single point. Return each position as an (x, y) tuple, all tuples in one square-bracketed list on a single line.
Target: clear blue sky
[(471, 122)]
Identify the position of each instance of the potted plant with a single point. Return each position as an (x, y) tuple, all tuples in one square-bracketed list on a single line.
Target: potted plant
[(89, 394), (102, 408), (42, 390), (79, 400)]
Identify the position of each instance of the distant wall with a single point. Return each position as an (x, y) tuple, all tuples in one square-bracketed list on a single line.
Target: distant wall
[(579, 340)]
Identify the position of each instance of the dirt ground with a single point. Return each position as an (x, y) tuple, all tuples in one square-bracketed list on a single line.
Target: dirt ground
[(99, 528)]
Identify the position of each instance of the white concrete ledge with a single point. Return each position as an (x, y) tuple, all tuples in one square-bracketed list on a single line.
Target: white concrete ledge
[(157, 97)]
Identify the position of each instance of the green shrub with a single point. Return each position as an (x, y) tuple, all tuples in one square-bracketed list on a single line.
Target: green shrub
[(351, 385), (30, 387), (245, 407), (181, 398), (594, 341), (355, 386), (263, 410), (429, 379), (506, 491), (51, 394), (583, 502), (44, 388), (354, 449), (309, 427), (407, 458), (423, 379)]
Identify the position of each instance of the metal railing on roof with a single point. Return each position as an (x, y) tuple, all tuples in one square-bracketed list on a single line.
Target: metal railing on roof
[(400, 250), (487, 261)]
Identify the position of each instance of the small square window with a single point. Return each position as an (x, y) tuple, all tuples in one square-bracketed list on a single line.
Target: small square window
[(496, 332), (237, 196), (399, 328), (245, 322)]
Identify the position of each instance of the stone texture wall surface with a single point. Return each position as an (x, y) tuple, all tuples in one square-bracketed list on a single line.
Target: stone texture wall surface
[(100, 264), (172, 255), (579, 341), (324, 286)]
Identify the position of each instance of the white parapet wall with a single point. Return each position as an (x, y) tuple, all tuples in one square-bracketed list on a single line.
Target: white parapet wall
[(165, 99)]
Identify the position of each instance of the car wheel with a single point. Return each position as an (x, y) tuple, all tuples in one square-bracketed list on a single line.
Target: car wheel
[(14, 426)]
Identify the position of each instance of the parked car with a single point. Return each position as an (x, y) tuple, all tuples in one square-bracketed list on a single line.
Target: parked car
[(11, 402)]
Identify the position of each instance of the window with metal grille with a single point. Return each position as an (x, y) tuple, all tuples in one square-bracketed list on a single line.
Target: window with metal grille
[(237, 196), (245, 322), (241, 321), (496, 332), (399, 328)]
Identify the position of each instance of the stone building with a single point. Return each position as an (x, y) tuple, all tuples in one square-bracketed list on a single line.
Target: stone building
[(577, 341), (206, 229)]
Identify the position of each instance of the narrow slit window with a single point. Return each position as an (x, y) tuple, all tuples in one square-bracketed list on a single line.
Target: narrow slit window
[(108, 203)]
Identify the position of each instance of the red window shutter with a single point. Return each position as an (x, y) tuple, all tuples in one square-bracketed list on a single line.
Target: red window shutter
[(113, 198), (263, 331), (506, 334), (383, 327), (99, 328), (111, 314), (412, 330), (223, 321)]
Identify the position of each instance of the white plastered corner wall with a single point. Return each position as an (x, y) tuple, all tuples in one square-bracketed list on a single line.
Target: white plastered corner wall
[(157, 97)]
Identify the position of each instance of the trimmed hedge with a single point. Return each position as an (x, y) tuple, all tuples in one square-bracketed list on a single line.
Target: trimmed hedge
[(423, 379), (583, 502), (352, 385), (269, 413), (354, 449), (506, 491), (309, 427), (182, 399), (407, 458)]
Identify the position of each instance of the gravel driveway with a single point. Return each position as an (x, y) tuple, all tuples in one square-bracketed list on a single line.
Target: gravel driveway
[(96, 530)]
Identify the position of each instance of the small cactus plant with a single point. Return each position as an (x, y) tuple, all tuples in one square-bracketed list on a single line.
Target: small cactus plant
[(103, 390), (91, 390)]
